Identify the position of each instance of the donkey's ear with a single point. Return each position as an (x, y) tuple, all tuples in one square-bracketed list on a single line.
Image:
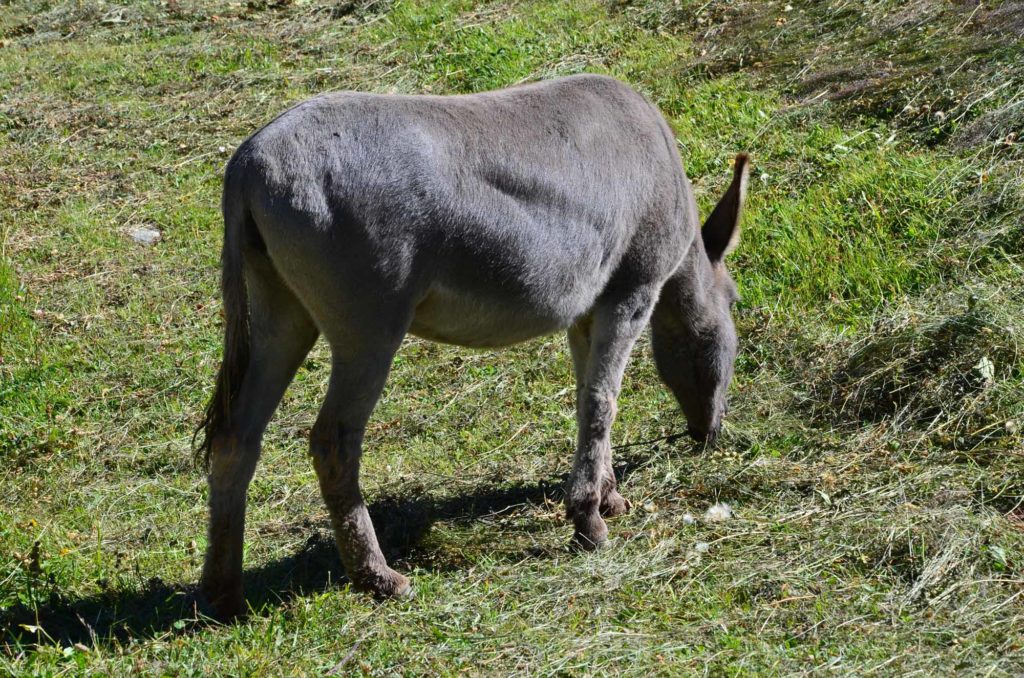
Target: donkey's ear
[(721, 232)]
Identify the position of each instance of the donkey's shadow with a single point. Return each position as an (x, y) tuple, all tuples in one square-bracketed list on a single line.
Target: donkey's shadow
[(403, 519), (402, 524)]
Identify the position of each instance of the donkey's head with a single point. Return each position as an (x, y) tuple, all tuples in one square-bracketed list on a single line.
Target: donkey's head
[(692, 331)]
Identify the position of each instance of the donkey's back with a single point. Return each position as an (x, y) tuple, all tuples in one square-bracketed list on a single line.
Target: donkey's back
[(496, 216)]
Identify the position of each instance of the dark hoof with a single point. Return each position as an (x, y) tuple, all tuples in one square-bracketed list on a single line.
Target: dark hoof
[(227, 603), (591, 533), (614, 504), (581, 542), (385, 584)]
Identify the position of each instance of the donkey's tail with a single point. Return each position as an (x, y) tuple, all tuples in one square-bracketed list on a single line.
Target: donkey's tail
[(238, 225)]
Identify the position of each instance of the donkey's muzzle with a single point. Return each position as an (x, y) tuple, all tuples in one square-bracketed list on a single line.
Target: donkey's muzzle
[(705, 437)]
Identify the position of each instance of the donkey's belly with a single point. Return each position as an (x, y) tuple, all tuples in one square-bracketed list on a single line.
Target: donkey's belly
[(465, 320)]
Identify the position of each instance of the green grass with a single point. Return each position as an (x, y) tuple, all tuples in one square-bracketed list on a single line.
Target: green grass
[(873, 461)]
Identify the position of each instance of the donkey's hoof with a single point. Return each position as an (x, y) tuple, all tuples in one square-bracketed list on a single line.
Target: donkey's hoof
[(591, 533), (386, 584), (614, 504), (227, 603), (581, 542)]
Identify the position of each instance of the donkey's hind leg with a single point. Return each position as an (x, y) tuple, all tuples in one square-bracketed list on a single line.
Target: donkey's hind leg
[(281, 334), (360, 368), (614, 327)]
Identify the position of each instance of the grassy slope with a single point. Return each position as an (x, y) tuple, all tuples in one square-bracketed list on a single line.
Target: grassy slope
[(875, 471)]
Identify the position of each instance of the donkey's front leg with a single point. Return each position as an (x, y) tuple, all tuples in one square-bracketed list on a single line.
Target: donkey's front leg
[(336, 447), (590, 474), (607, 343), (612, 503)]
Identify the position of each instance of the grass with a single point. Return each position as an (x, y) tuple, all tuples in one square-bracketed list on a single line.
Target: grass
[(873, 456)]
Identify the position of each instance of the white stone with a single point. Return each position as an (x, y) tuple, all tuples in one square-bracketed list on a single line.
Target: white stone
[(145, 236)]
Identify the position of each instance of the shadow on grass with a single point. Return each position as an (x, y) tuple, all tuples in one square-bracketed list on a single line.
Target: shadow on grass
[(402, 521), (159, 608)]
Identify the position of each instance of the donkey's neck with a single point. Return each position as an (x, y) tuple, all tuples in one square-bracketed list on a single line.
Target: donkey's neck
[(686, 299)]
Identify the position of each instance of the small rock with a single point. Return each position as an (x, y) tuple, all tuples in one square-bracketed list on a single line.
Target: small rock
[(718, 513), (145, 236), (986, 370)]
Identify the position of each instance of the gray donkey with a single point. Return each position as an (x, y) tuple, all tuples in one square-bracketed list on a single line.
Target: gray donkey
[(480, 220)]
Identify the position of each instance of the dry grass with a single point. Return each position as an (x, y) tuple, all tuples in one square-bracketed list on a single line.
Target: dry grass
[(933, 69), (872, 460)]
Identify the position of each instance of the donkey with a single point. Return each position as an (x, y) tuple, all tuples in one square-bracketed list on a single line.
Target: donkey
[(480, 220)]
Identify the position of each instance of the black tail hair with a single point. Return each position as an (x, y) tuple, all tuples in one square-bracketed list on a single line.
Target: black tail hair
[(217, 418)]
